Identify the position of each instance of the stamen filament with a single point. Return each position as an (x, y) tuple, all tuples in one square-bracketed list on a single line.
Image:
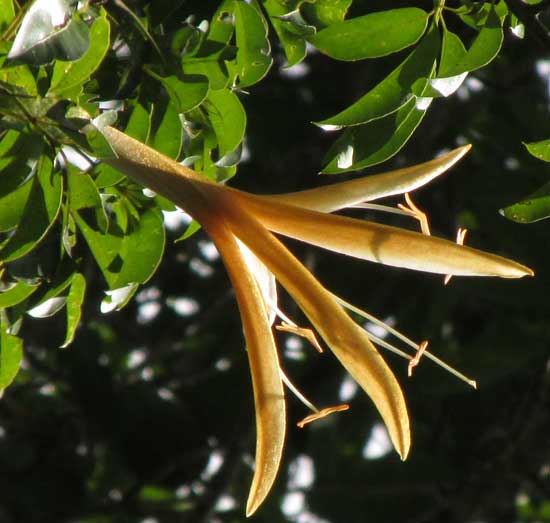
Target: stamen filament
[(403, 338), (296, 392)]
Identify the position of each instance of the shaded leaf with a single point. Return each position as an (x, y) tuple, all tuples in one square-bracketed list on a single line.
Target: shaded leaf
[(12, 206), (372, 35)]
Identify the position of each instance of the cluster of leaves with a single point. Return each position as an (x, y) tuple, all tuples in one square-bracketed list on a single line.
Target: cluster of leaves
[(178, 82)]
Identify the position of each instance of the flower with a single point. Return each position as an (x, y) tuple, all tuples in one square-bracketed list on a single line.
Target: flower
[(232, 217)]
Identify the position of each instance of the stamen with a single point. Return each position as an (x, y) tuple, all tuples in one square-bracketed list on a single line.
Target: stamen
[(322, 414), (460, 236), (296, 392), (378, 207), (416, 360), (308, 334), (412, 210), (403, 338)]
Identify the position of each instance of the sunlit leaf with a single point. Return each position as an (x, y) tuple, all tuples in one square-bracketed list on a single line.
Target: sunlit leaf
[(293, 45), (187, 92), (253, 55), (130, 258), (40, 212), (67, 75), (375, 142), (166, 132), (392, 92), (323, 13), (228, 118), (11, 354), (16, 294), (532, 209), (540, 150), (49, 32), (482, 51), (7, 13), (48, 307), (373, 35), (139, 123), (75, 299)]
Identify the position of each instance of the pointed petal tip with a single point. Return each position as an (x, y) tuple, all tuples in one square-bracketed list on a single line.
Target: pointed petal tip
[(518, 271)]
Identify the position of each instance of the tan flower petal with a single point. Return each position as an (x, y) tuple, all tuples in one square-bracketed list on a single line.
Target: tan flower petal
[(344, 194), (264, 366), (344, 337), (377, 242), (173, 181)]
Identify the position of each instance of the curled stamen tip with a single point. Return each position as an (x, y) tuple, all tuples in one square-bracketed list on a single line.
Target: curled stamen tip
[(308, 334), (323, 413), (416, 360), (473, 383)]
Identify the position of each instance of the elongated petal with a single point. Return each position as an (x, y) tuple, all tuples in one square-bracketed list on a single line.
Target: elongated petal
[(264, 365), (344, 194), (177, 183), (377, 242), (345, 338)]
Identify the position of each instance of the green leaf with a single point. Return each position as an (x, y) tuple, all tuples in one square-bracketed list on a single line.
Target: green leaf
[(11, 354), (228, 119), (253, 56), (82, 190), (532, 209), (293, 45), (540, 150), (67, 75), (75, 299), (372, 35), (126, 259), (12, 206), (48, 32), (167, 134), (16, 294), (375, 142), (326, 12), (392, 92), (482, 51), (83, 194), (107, 176), (187, 92), (40, 212), (7, 14), (139, 123)]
